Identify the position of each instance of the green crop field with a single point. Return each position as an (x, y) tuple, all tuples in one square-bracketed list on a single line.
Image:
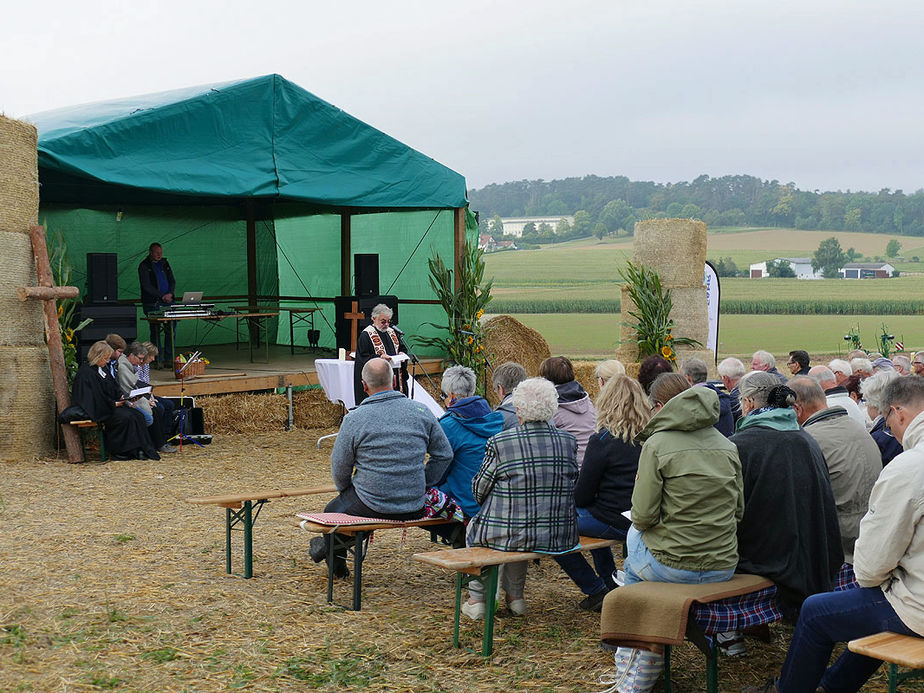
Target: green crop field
[(575, 285), (582, 335)]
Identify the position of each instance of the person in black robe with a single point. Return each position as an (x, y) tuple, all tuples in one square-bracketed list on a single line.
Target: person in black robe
[(378, 339), (790, 532), (99, 395)]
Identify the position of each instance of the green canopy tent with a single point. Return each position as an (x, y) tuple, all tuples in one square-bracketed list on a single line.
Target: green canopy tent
[(258, 191)]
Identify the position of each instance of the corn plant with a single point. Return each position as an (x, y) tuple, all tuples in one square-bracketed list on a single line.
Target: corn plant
[(654, 326), (67, 307)]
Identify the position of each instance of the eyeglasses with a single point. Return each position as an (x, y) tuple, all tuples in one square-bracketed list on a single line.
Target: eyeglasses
[(889, 413)]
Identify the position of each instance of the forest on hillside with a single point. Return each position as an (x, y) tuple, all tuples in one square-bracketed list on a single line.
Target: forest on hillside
[(607, 205)]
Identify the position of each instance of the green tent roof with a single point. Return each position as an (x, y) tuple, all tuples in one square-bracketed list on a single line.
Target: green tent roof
[(258, 138)]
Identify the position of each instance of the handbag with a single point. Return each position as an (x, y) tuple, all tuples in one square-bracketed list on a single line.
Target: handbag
[(73, 413)]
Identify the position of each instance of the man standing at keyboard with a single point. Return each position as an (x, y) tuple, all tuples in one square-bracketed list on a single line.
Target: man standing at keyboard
[(157, 287), (379, 462)]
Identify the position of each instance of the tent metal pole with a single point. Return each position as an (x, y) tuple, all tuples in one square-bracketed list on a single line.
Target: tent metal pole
[(459, 242), (251, 266), (345, 252)]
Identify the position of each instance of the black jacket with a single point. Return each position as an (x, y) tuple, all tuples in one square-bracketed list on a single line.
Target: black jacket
[(607, 477), (150, 292)]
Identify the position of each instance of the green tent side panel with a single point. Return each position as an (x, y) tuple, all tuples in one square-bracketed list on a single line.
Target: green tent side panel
[(257, 138), (309, 266), (206, 247)]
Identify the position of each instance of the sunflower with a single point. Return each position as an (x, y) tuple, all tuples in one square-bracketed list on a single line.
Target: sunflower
[(470, 340), (667, 352), (479, 314)]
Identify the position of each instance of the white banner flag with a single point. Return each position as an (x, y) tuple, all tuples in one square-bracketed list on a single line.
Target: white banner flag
[(711, 282)]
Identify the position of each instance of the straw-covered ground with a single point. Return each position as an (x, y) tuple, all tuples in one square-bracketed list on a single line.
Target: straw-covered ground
[(111, 581)]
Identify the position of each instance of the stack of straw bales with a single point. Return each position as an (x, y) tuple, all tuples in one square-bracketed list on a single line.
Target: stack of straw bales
[(27, 406), (507, 339)]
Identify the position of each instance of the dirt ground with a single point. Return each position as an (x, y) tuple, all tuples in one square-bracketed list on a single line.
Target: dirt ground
[(111, 581)]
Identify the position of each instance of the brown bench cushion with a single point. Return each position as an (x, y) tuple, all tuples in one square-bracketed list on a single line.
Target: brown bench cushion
[(657, 612)]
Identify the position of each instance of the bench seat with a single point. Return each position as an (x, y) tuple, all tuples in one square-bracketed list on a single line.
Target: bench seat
[(897, 650), (239, 510), (478, 562), (354, 538)]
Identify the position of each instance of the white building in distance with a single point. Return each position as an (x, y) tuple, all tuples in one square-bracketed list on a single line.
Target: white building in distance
[(802, 266), (514, 226)]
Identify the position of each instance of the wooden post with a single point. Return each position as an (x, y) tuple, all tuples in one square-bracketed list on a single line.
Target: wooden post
[(346, 249), (53, 337), (354, 317), (459, 243)]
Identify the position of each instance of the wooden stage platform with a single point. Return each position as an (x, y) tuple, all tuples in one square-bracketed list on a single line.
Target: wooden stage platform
[(230, 370)]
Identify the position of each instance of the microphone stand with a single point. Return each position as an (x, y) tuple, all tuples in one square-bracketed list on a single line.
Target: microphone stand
[(182, 435), (414, 362)]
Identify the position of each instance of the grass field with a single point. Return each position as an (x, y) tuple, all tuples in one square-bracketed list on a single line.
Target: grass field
[(591, 264), (583, 335)]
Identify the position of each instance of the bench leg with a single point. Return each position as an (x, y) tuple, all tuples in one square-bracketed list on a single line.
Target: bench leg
[(246, 517), (490, 607), (455, 628), (667, 669), (893, 678), (102, 441), (360, 547)]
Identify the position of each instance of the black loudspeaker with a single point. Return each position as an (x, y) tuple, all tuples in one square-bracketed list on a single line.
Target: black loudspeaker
[(366, 270), (102, 278), (121, 320), (344, 304)]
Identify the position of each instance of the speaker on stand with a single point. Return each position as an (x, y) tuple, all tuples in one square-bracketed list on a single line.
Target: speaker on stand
[(366, 272)]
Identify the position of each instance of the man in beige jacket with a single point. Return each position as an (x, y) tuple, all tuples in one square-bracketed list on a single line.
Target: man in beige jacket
[(888, 562)]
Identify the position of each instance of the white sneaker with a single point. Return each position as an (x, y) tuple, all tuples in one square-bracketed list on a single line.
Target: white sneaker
[(517, 606), (731, 643), (474, 610)]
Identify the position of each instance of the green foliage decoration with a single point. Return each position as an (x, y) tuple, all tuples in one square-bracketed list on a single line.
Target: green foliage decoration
[(67, 307), (654, 326), (464, 307)]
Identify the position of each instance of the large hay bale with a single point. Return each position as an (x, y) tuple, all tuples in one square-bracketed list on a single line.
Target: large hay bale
[(23, 322), (688, 311), (19, 190), (674, 248), (244, 413), (508, 339), (314, 410), (27, 403), (584, 374)]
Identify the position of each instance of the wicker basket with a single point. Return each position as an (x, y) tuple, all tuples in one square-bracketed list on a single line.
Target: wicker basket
[(194, 368)]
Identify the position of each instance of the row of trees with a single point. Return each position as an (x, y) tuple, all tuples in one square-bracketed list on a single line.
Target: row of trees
[(616, 203)]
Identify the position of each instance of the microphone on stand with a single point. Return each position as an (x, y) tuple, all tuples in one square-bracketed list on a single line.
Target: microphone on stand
[(398, 330), (467, 332)]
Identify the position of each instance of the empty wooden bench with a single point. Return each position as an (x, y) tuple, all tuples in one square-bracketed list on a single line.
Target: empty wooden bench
[(239, 510), (897, 650), (352, 534), (480, 563)]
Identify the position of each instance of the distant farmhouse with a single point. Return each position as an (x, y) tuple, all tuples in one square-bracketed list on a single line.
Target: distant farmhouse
[(514, 227), (802, 266), (867, 270), (489, 245)]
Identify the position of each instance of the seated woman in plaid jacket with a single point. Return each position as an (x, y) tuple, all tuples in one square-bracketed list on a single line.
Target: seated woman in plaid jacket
[(526, 491)]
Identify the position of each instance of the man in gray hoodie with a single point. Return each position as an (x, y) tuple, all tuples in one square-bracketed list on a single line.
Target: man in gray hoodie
[(379, 460)]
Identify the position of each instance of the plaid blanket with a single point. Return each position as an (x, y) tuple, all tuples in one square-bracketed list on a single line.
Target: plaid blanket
[(757, 608)]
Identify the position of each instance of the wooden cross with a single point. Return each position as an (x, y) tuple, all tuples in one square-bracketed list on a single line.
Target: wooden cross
[(47, 293), (354, 317)]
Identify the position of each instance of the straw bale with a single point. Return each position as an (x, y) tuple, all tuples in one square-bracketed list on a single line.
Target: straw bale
[(688, 312), (22, 322), (674, 248), (584, 374), (314, 410), (27, 404), (244, 413), (19, 190), (508, 339)]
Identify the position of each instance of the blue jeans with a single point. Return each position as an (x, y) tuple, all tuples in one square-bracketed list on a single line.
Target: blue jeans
[(832, 617), (641, 566), (600, 577)]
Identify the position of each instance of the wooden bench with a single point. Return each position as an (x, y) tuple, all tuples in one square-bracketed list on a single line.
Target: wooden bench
[(354, 539), (239, 509), (91, 427), (897, 650), (480, 563)]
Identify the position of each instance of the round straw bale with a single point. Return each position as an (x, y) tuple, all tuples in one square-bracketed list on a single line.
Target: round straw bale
[(22, 322), (507, 339), (584, 374), (27, 403), (18, 176)]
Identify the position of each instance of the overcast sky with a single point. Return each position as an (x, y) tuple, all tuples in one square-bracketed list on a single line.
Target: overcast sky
[(828, 94)]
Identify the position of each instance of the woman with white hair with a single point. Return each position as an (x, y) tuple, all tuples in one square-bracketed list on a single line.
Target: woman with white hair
[(607, 369), (526, 490), (378, 339), (872, 389)]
